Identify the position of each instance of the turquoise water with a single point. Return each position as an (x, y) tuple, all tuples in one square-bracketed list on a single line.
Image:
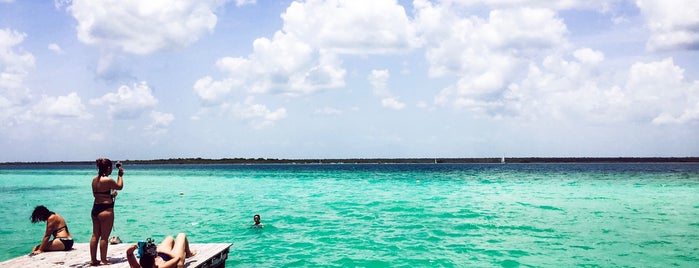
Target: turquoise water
[(468, 215)]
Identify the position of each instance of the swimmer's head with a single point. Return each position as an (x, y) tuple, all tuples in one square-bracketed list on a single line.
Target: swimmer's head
[(256, 218)]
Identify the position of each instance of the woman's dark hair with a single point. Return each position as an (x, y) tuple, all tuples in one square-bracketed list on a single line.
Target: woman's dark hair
[(41, 213), (103, 165), (146, 261), (149, 252)]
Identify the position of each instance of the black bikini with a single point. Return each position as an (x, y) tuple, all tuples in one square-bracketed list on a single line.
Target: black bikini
[(109, 192), (164, 256), (67, 242), (98, 208), (59, 229)]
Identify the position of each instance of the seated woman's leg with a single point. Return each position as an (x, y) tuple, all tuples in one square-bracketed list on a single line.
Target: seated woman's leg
[(166, 245), (181, 248)]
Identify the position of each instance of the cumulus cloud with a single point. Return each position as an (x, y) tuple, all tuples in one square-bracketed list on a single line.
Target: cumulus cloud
[(672, 24), (128, 102), (473, 45), (61, 107), (56, 49), (351, 27), (379, 82), (257, 115), (245, 2), (282, 65), (652, 92), (661, 94), (588, 56), (486, 54), (517, 62), (160, 119), (15, 63), (143, 27), (159, 123), (392, 103), (600, 5), (328, 111), (303, 57)]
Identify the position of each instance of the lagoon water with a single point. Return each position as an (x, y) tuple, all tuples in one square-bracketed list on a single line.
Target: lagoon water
[(402, 215)]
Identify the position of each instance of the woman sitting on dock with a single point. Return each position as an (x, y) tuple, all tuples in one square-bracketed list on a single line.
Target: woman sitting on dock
[(56, 226), (170, 253)]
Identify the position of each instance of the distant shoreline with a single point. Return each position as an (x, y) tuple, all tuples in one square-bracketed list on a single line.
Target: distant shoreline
[(484, 160)]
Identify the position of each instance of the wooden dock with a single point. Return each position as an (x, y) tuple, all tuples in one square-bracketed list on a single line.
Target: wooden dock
[(208, 256)]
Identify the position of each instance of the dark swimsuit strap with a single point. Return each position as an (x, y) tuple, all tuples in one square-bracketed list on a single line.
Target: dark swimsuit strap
[(65, 227)]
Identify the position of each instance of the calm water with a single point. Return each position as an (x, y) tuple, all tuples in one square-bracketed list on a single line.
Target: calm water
[(514, 215)]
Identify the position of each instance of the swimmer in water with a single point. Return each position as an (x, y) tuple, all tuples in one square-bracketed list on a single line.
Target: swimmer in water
[(257, 223)]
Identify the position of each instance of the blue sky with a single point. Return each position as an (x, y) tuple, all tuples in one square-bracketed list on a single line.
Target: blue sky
[(343, 79)]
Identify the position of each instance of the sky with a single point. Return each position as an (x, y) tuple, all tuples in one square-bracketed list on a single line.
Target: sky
[(138, 80)]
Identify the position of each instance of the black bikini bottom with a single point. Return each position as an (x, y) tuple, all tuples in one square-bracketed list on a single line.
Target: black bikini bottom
[(67, 243), (98, 208)]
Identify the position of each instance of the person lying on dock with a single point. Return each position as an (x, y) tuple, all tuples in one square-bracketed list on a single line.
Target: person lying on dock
[(170, 253), (56, 226)]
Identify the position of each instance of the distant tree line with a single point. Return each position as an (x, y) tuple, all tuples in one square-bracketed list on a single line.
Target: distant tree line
[(511, 160)]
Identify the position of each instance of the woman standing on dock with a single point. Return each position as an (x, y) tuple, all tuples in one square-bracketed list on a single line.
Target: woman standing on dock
[(104, 190)]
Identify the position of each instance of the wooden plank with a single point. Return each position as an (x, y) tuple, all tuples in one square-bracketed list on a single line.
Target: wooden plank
[(208, 256)]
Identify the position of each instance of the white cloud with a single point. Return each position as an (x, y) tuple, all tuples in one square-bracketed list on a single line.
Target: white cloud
[(690, 114), (660, 93), (159, 123), (302, 58), (392, 103), (257, 115), (15, 65), (486, 55), (472, 45), (161, 119), (245, 2), (654, 92), (128, 102), (351, 26), (672, 24), (328, 111), (211, 92), (282, 65), (599, 5), (61, 107), (379, 82), (589, 56), (56, 49), (143, 27)]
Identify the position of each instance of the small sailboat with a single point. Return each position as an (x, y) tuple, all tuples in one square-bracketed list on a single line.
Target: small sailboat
[(502, 160)]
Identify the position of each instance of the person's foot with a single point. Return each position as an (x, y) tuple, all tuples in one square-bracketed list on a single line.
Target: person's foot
[(192, 253), (105, 262), (94, 263)]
